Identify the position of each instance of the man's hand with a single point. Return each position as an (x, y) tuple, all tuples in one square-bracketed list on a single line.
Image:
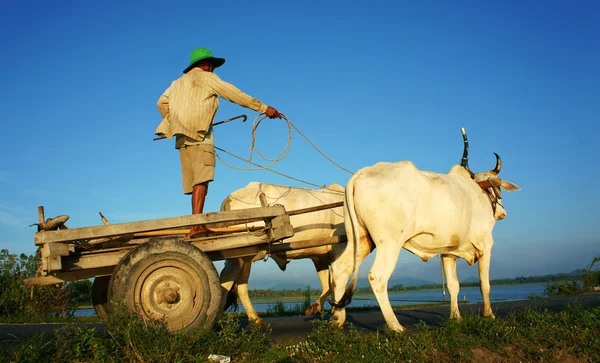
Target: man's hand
[(272, 113)]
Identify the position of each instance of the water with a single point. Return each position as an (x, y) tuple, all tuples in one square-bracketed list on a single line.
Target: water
[(471, 294)]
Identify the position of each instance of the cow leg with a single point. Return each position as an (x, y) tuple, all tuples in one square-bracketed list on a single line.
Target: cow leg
[(341, 269), (342, 257), (484, 282), (242, 282), (449, 262), (323, 272), (230, 272), (386, 257), (228, 276)]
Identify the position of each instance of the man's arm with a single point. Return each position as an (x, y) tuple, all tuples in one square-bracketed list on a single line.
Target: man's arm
[(233, 94), (163, 103), (164, 128)]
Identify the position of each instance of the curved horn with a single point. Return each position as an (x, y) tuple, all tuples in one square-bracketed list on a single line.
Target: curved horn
[(496, 170), (464, 162), (465, 158)]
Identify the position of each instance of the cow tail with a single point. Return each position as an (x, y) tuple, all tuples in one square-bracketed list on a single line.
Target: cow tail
[(232, 298), (351, 213)]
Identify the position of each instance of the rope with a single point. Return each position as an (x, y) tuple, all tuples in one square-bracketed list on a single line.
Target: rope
[(316, 148), (260, 167), (284, 152)]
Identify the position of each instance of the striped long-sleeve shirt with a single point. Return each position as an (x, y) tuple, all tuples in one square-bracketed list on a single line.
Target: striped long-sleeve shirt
[(190, 104)]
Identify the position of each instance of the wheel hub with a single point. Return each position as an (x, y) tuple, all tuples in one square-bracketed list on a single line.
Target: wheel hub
[(170, 295)]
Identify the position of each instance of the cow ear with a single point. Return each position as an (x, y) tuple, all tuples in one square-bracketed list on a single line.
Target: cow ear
[(509, 187), (490, 182)]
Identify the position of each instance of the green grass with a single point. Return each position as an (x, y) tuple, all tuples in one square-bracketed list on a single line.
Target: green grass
[(528, 335)]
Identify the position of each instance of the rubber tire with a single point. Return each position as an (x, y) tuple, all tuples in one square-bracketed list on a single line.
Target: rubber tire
[(100, 295), (122, 285)]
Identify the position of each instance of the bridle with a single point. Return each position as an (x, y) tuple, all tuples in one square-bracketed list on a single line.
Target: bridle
[(494, 199), (493, 193)]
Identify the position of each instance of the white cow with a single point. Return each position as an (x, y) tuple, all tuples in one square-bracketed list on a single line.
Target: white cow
[(320, 224), (397, 206)]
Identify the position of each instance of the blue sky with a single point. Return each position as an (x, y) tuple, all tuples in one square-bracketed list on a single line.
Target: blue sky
[(367, 82)]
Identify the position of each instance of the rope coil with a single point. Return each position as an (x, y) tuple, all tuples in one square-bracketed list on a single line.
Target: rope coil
[(282, 155)]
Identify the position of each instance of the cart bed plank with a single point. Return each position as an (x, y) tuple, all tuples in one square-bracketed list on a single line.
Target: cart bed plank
[(74, 234)]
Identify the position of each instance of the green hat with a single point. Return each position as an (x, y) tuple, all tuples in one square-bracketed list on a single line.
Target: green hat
[(201, 54)]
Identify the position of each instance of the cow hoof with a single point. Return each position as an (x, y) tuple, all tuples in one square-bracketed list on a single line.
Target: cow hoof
[(259, 322), (397, 328), (312, 310)]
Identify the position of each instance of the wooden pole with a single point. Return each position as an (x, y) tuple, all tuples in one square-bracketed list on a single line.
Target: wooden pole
[(41, 218), (315, 209), (263, 200)]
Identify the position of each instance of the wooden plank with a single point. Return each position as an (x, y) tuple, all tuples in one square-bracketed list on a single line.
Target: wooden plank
[(225, 243), (186, 231), (93, 260), (315, 209), (235, 223), (253, 214), (52, 254), (275, 248), (280, 228), (299, 245), (111, 241), (62, 277), (237, 252)]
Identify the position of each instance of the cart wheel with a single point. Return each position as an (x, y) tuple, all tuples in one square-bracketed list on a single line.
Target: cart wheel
[(171, 281), (100, 295)]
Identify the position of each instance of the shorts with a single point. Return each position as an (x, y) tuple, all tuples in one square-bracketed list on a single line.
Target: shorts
[(197, 165)]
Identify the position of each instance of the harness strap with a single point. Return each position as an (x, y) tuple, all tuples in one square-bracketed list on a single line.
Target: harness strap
[(494, 202)]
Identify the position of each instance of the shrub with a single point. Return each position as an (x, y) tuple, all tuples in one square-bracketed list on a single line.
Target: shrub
[(19, 301), (591, 277), (589, 280), (565, 288)]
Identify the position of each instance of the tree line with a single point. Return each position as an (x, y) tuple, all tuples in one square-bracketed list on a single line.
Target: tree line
[(550, 278)]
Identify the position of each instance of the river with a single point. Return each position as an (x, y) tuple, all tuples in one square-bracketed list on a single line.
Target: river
[(470, 294)]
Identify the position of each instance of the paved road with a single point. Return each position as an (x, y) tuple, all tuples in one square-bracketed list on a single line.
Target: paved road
[(298, 327)]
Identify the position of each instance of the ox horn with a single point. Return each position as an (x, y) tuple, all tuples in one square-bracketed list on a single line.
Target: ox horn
[(464, 162), (496, 170)]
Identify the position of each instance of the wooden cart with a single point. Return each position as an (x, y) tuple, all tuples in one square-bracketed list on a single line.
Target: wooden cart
[(154, 268)]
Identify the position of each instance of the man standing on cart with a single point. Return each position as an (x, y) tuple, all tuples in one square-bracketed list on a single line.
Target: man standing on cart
[(188, 108)]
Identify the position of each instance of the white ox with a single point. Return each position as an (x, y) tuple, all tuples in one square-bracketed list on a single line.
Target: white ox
[(308, 226), (397, 206)]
